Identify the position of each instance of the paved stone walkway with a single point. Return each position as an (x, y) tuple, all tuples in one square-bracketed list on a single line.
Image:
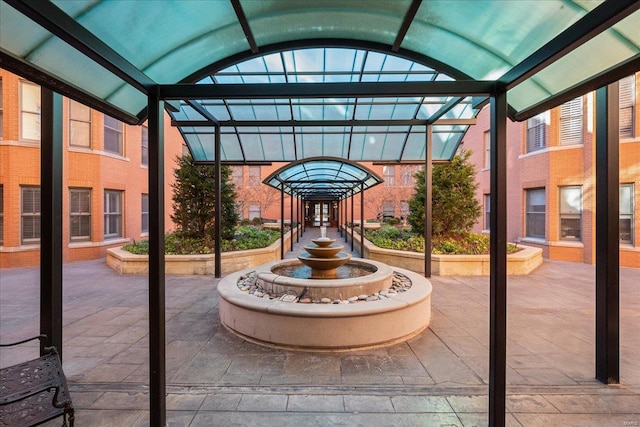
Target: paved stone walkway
[(437, 378)]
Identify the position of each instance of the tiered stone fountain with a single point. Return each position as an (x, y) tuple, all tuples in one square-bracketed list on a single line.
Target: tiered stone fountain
[(352, 302)]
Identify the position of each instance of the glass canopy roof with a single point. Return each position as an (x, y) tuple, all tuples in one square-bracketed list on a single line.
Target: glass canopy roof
[(367, 128), (111, 54), (323, 178)]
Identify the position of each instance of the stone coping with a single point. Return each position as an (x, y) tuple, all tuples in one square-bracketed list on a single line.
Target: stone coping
[(522, 262), (127, 263)]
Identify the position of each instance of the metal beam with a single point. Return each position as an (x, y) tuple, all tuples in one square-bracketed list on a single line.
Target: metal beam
[(607, 235), (282, 222), (323, 123), (498, 262), (63, 26), (157, 336), (218, 206), (593, 23), (406, 23), (291, 221), (362, 220), (352, 224), (51, 220), (211, 120), (326, 90), (242, 18), (428, 192)]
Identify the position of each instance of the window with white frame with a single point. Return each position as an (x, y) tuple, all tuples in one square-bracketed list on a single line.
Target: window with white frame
[(254, 211), (30, 214), (29, 111), (112, 214), (388, 209), (0, 108), (389, 175), (113, 130), (407, 176), (535, 212), (80, 214), (144, 213), (487, 211), (1, 215), (255, 172), (486, 141), (537, 127), (627, 205), (79, 124), (571, 213), (237, 176), (404, 209), (627, 106), (144, 146), (571, 122)]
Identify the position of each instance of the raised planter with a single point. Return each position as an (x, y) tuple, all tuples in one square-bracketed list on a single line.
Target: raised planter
[(520, 263), (128, 263)]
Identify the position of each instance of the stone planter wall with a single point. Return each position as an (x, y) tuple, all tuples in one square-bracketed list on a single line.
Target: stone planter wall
[(128, 263), (520, 263)]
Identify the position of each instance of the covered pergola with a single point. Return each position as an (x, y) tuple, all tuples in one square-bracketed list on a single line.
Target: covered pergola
[(132, 60)]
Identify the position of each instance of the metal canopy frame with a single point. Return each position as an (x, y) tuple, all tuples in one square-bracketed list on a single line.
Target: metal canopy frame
[(152, 95)]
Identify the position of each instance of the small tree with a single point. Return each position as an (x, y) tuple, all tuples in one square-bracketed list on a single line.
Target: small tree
[(454, 205), (194, 199)]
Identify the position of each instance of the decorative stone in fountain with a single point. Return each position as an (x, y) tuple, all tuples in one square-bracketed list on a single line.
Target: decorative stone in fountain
[(353, 311), (324, 257)]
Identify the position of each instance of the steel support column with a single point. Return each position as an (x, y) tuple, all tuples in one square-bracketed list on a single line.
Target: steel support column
[(607, 234), (281, 220), (298, 219), (218, 207), (498, 265), (51, 220), (291, 221), (353, 226), (362, 220), (428, 202), (157, 348)]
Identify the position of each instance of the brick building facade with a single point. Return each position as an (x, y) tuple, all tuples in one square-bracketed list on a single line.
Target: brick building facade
[(105, 194)]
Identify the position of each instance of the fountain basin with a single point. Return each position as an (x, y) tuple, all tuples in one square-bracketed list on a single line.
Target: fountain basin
[(323, 251), (325, 327)]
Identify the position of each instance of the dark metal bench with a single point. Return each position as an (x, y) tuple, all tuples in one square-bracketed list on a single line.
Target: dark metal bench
[(36, 391)]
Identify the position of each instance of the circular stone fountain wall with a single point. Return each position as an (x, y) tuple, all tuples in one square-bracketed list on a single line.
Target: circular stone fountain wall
[(276, 320)]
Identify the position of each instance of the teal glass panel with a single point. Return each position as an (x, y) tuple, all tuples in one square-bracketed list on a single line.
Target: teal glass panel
[(231, 147), (277, 21)]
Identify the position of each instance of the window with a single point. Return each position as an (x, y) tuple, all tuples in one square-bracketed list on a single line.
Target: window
[(571, 122), (237, 176), (388, 209), (0, 110), (112, 214), (80, 214), (144, 214), (537, 132), (79, 124), (1, 215), (487, 212), (535, 212), (254, 211), (30, 214), (407, 175), (627, 106), (486, 138), (254, 176), (144, 146), (113, 135), (389, 175), (404, 209), (570, 213), (29, 111), (626, 213)]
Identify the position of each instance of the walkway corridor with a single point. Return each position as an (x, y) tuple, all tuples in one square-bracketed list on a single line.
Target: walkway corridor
[(436, 378)]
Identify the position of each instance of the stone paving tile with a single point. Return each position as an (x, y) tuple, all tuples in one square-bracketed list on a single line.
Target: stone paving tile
[(245, 378), (110, 372), (315, 403), (362, 379), (468, 404), (184, 402), (581, 420), (100, 418), (174, 419), (263, 402), (418, 380), (305, 364), (482, 420), (121, 400), (221, 402), (529, 403), (361, 403), (242, 364), (546, 376), (596, 404), (420, 404), (269, 379)]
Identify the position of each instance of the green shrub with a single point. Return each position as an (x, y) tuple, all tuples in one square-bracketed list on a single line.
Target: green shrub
[(256, 221)]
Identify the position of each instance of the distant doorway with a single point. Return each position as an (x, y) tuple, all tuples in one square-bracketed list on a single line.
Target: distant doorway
[(322, 214)]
